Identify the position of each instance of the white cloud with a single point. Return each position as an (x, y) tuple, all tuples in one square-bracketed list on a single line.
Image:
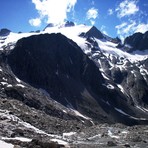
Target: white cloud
[(105, 32), (127, 8), (53, 11), (92, 22), (125, 29), (110, 11), (35, 22), (141, 28), (92, 13), (103, 29), (121, 25)]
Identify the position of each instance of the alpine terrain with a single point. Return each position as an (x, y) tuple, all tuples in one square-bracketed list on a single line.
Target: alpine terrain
[(73, 86)]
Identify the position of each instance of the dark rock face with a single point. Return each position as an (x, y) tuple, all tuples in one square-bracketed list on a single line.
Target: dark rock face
[(93, 32), (137, 41), (47, 61), (56, 64), (4, 32)]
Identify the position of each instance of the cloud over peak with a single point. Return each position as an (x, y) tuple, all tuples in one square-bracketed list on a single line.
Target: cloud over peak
[(52, 11), (35, 22), (125, 29), (127, 8), (91, 15)]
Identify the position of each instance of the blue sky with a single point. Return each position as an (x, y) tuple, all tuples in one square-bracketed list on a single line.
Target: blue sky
[(113, 17)]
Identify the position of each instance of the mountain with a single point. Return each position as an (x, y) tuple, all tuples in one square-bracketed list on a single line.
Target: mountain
[(48, 26), (93, 32), (4, 32), (69, 24), (137, 41), (72, 81), (65, 24)]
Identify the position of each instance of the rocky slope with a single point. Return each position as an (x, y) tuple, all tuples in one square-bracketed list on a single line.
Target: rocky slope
[(137, 41), (60, 81)]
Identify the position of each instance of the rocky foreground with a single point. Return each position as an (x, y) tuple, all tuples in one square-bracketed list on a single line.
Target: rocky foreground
[(32, 128)]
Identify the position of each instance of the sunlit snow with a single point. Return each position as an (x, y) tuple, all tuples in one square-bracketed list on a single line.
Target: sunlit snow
[(23, 139), (73, 33), (5, 145)]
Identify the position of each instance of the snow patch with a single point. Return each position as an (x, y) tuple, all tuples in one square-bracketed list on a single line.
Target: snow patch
[(62, 142), (109, 86), (23, 139), (64, 111), (67, 135), (4, 83), (124, 132), (143, 71), (96, 136), (9, 85), (79, 114), (110, 48), (122, 112), (20, 85), (14, 37), (5, 145), (111, 134), (122, 89), (142, 108), (18, 80), (104, 76), (4, 79), (5, 113)]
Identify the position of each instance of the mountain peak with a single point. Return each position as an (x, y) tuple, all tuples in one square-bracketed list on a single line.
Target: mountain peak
[(64, 24), (93, 32), (69, 24), (4, 32), (48, 26)]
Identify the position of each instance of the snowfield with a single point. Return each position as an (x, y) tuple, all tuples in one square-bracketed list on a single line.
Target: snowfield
[(73, 33), (5, 145)]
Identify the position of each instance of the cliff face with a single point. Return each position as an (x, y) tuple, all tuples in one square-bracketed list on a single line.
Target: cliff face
[(56, 64), (137, 41)]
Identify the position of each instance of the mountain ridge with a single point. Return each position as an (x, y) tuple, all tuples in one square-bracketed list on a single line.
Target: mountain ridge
[(66, 79)]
